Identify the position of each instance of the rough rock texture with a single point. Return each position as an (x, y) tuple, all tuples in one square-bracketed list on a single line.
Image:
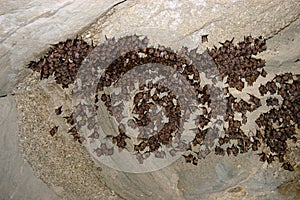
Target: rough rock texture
[(176, 23), (61, 162), (27, 29), (17, 178), (186, 21)]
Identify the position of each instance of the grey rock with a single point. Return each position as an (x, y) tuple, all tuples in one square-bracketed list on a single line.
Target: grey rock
[(28, 28), (18, 181)]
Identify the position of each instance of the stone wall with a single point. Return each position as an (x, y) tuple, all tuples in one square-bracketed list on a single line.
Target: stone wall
[(29, 27)]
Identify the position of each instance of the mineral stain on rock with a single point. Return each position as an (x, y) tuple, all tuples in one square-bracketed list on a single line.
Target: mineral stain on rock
[(290, 189)]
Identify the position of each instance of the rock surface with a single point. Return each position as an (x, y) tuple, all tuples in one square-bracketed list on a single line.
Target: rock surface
[(27, 29), (187, 21), (176, 23), (17, 178)]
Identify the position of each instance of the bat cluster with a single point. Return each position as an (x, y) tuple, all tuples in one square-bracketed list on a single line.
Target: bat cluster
[(63, 60), (150, 95), (233, 62), (74, 129), (71, 121), (104, 150), (276, 126), (234, 135), (236, 62), (281, 122)]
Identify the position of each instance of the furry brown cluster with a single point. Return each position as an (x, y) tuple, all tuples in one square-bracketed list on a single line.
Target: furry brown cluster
[(231, 62), (276, 126), (160, 95), (63, 60), (279, 125), (236, 62)]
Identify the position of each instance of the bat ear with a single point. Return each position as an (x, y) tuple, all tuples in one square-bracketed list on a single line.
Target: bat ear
[(232, 40)]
